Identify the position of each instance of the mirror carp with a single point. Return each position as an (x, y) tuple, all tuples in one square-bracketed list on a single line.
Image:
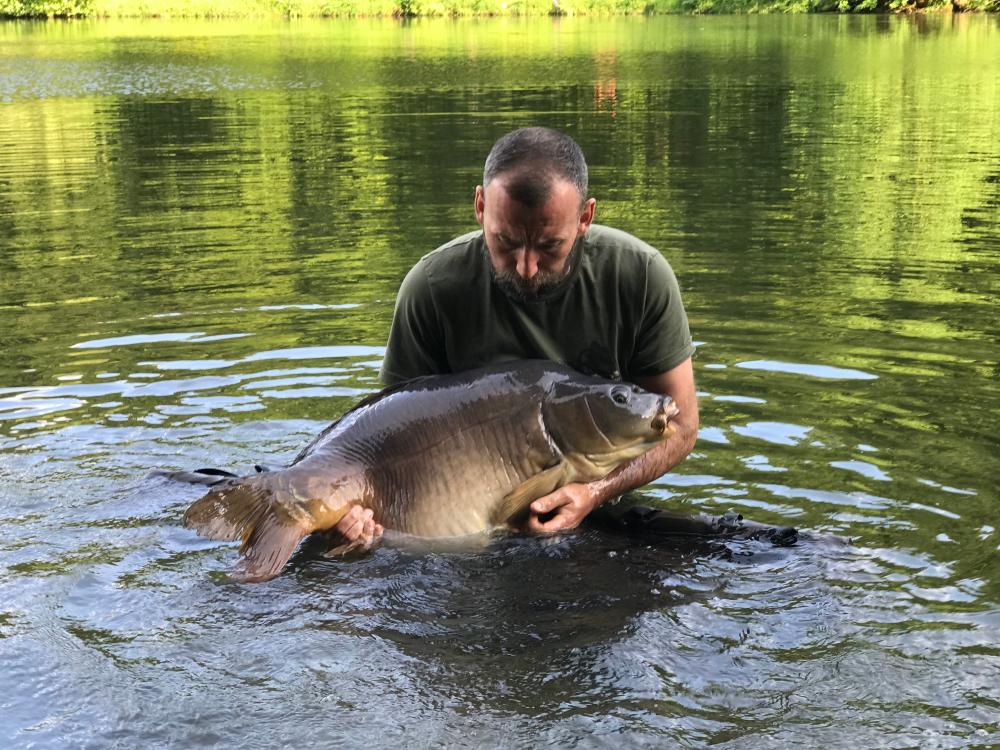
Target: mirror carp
[(439, 456)]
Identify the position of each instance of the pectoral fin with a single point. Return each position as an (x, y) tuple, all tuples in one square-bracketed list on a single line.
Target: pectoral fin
[(514, 507)]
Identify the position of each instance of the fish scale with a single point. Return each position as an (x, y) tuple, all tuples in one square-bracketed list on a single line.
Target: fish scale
[(464, 462)]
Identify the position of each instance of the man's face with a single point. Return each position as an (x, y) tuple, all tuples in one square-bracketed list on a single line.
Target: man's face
[(529, 247)]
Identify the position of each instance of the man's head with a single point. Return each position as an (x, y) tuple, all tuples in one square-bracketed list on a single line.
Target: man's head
[(533, 206)]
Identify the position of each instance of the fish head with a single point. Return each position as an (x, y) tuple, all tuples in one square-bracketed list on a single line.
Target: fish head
[(607, 422)]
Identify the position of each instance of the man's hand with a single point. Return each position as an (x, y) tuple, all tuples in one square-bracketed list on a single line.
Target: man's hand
[(358, 529), (566, 507), (561, 510)]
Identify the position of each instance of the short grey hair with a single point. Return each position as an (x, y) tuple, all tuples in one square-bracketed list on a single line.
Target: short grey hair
[(536, 155)]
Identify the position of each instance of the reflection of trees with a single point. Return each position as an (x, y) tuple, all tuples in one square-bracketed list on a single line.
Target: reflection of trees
[(979, 222), (823, 160), (722, 154), (51, 197), (779, 157), (606, 83), (188, 189), (160, 144)]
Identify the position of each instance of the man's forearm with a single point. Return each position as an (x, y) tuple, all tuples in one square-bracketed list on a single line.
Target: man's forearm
[(651, 465)]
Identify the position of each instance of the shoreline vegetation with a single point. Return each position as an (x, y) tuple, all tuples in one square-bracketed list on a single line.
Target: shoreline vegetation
[(460, 8)]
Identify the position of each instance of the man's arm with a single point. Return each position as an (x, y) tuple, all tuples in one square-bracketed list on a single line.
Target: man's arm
[(567, 506)]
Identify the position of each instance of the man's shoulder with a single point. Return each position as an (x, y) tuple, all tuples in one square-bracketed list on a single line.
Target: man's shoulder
[(449, 269), (613, 252), (604, 237), (455, 253)]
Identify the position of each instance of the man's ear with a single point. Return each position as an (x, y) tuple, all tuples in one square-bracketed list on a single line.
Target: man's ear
[(480, 203), (587, 215)]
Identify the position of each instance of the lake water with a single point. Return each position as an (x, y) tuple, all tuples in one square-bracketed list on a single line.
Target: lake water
[(202, 230)]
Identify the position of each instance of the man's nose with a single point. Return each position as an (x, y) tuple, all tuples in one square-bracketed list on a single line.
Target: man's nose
[(527, 263)]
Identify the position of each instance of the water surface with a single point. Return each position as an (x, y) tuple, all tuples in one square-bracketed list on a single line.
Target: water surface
[(202, 230)]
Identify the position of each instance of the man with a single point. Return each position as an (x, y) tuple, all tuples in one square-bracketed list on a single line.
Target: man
[(540, 280)]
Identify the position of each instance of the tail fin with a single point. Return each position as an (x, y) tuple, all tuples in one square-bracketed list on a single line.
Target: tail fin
[(247, 509)]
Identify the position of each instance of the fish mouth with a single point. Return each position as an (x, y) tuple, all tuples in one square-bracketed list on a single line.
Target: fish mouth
[(667, 411)]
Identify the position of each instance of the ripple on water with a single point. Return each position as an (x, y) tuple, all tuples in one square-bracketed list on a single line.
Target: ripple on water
[(864, 468), (825, 372), (779, 433), (19, 404)]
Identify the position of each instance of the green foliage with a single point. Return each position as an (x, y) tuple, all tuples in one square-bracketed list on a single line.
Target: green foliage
[(43, 8), (730, 6), (407, 8), (815, 6), (352, 8)]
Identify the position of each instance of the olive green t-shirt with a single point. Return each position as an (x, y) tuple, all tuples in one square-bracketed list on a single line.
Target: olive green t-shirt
[(617, 314)]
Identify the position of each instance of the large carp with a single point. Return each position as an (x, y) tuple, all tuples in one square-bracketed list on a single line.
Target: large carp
[(439, 456)]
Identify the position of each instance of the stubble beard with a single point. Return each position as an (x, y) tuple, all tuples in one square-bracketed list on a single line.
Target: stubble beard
[(533, 289)]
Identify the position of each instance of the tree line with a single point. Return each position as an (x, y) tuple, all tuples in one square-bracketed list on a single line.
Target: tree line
[(433, 8)]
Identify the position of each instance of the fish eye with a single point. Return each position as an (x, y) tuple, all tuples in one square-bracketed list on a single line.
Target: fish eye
[(620, 395)]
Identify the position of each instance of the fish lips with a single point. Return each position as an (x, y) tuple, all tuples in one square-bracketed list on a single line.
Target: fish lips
[(661, 422)]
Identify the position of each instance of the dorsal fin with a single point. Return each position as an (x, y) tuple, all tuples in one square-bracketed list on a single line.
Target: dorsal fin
[(367, 401)]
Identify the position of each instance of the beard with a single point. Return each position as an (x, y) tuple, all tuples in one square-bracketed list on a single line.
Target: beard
[(533, 289)]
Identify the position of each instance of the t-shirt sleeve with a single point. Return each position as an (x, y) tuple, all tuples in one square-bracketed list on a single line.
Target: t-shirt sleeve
[(416, 344), (664, 339)]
